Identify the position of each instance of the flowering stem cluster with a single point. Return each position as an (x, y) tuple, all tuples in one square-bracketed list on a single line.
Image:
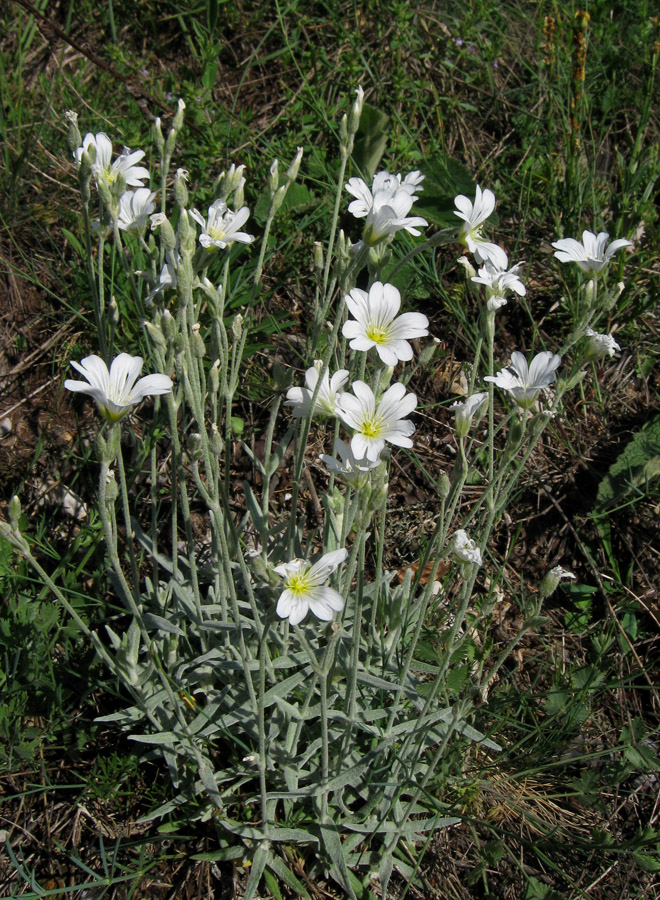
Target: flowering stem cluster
[(278, 661)]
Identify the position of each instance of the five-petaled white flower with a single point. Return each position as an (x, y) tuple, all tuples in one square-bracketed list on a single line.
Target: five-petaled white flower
[(600, 345), (326, 399), (222, 226), (474, 215), (103, 169), (465, 550), (386, 205), (348, 468), (466, 410), (305, 588), (374, 424), (524, 382), (376, 324), (134, 209), (498, 282), (590, 255), (116, 392)]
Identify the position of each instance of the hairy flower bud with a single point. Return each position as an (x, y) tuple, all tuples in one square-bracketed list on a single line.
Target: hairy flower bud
[(74, 138)]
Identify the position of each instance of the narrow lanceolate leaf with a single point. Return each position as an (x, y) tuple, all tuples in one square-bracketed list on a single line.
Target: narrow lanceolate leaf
[(285, 874), (165, 737), (335, 852), (259, 860)]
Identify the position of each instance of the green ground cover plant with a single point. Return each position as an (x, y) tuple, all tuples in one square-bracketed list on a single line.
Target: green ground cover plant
[(318, 757)]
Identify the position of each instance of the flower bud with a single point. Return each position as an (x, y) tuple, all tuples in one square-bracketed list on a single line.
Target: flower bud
[(216, 440), (443, 486), (239, 194), (155, 334), (194, 445), (551, 581), (356, 111), (159, 140), (162, 223), (180, 188), (214, 377), (15, 513), (168, 324), (319, 263), (178, 122), (273, 178), (237, 326), (113, 311), (197, 342), (74, 138), (111, 489), (292, 171)]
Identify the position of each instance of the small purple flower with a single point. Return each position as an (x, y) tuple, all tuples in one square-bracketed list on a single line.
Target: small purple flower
[(458, 41), (168, 95)]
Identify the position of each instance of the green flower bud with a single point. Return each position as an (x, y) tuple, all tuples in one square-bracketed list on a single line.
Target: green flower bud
[(74, 138), (159, 140), (551, 581), (15, 513), (292, 171), (180, 188), (197, 342), (216, 442), (162, 223)]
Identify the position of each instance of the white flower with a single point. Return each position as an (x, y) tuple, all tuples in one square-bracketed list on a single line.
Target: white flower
[(590, 255), (498, 282), (376, 323), (466, 410), (222, 226), (305, 588), (300, 398), (600, 345), (523, 382), (375, 424), (386, 205), (349, 469), (104, 169), (474, 215), (116, 392), (134, 209), (464, 549)]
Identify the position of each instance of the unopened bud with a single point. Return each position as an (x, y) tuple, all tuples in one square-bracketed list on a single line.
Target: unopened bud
[(155, 334), (443, 486), (73, 134), (111, 488), (237, 326), (551, 581), (214, 377), (159, 140), (195, 445), (113, 311), (160, 222), (216, 440), (292, 171), (15, 513), (319, 263), (356, 111), (180, 188), (273, 178), (197, 342)]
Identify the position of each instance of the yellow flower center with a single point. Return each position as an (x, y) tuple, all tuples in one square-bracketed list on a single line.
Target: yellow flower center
[(376, 334), (216, 233), (299, 584), (371, 426)]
